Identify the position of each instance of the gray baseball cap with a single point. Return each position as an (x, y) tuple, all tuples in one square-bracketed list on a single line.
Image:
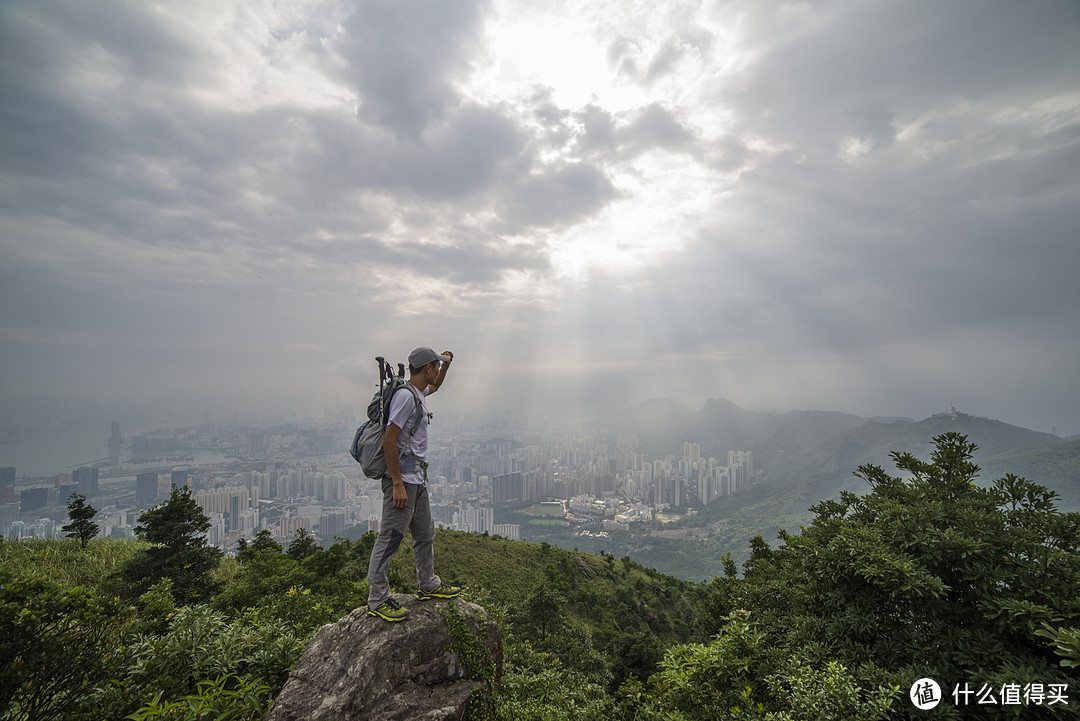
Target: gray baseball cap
[(422, 356)]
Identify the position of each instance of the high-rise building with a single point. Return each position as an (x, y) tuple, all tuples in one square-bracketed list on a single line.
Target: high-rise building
[(249, 522), (511, 531), (329, 486), (9, 513), (226, 500), (43, 528), (659, 491), (216, 531), (87, 480), (474, 520), (743, 459), (7, 484), (146, 488), (507, 487), (34, 498), (180, 476), (65, 491), (332, 523), (234, 511)]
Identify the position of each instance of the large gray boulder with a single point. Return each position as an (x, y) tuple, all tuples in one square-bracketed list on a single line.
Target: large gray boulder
[(446, 655)]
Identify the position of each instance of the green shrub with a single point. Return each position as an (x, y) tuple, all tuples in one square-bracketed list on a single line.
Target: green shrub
[(202, 645), (827, 694), (57, 644), (229, 698), (536, 685)]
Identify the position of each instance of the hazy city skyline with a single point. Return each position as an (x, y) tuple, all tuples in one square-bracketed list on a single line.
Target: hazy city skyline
[(869, 208)]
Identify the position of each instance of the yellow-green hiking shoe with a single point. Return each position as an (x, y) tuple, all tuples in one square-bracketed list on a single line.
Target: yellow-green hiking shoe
[(443, 591), (389, 610)]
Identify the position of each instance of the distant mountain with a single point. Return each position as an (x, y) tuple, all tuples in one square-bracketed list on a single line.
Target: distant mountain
[(656, 413), (873, 442), (804, 441), (721, 426), (1056, 466), (803, 457)]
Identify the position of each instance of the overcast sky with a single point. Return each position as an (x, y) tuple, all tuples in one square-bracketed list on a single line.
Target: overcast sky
[(854, 206)]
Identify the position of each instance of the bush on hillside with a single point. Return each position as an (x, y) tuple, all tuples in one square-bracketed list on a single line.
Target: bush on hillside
[(57, 644), (927, 575)]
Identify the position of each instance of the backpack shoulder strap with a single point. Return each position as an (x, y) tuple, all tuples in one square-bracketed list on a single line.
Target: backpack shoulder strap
[(419, 407)]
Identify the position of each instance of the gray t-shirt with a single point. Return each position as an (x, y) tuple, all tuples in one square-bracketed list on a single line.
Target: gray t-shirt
[(402, 415)]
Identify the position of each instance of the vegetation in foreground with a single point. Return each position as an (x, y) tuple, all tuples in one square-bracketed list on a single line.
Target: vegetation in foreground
[(925, 576)]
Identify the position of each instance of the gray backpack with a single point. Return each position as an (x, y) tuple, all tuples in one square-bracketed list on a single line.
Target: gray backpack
[(367, 443)]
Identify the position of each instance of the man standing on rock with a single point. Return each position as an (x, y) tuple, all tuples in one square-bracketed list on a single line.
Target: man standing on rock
[(406, 504)]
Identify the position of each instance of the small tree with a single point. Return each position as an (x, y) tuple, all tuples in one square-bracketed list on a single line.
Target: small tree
[(263, 543), (80, 513), (178, 523), (177, 529), (540, 614), (302, 545)]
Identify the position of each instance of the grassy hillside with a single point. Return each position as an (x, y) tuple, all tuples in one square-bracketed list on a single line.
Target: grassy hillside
[(66, 562), (605, 593), (564, 614)]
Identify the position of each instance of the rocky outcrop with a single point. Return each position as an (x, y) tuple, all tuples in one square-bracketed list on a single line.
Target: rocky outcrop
[(432, 666)]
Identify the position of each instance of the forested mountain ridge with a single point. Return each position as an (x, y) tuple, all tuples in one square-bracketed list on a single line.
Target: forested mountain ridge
[(720, 425), (804, 457), (831, 462), (806, 437)]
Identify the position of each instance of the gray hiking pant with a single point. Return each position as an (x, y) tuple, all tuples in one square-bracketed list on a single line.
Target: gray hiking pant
[(416, 518)]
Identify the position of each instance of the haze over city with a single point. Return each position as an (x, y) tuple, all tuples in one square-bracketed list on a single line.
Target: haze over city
[(863, 207)]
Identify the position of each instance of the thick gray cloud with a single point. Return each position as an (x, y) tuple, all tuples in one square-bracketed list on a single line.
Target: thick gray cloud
[(868, 207), (559, 196), (404, 58)]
